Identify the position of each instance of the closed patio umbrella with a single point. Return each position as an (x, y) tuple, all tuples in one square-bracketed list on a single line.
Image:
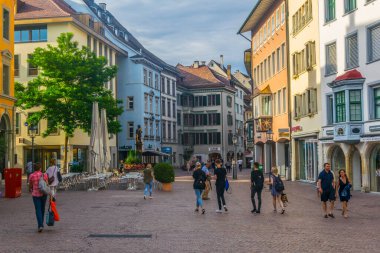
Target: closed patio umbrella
[(96, 148), (106, 146)]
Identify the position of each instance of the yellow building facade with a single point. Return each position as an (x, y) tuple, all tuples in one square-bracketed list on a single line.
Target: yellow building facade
[(304, 89), (7, 99), (39, 29)]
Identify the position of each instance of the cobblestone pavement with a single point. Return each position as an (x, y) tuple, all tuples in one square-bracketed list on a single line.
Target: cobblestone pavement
[(174, 227)]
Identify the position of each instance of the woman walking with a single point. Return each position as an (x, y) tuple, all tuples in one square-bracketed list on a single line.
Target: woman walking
[(52, 173), (277, 188), (39, 199), (343, 190), (148, 180), (199, 185), (220, 174)]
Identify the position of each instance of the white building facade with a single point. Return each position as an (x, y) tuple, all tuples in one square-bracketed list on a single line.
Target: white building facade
[(350, 81)]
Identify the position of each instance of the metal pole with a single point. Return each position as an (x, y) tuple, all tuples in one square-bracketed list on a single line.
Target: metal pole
[(234, 173), (32, 151)]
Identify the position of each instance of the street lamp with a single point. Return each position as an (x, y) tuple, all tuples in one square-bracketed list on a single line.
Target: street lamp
[(32, 134), (234, 169)]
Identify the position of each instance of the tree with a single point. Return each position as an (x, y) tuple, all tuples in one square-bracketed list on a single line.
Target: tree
[(69, 81)]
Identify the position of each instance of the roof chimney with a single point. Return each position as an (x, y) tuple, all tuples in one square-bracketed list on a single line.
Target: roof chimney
[(203, 63), (229, 71), (196, 64), (221, 60), (103, 6)]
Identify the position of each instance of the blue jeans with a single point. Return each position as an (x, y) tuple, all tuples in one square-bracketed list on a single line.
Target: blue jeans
[(198, 193), (148, 188), (39, 205)]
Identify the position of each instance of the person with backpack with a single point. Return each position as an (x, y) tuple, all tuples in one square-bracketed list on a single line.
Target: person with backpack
[(53, 176), (257, 185), (39, 197), (277, 189), (199, 185), (220, 174)]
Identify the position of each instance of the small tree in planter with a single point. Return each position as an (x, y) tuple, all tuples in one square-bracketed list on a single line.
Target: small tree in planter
[(164, 173)]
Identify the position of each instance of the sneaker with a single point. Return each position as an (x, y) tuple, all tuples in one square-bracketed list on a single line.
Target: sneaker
[(326, 216), (40, 229), (203, 211), (218, 211), (331, 215), (258, 211), (196, 210), (150, 197), (253, 210), (144, 197), (283, 211), (225, 209)]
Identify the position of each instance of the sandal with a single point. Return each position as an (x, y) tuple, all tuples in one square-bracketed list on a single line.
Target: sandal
[(283, 211), (203, 211), (196, 210)]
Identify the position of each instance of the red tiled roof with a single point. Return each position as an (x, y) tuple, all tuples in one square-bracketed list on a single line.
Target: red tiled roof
[(349, 75), (31, 9), (202, 76)]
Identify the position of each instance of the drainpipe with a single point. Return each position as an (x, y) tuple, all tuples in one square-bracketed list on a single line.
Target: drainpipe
[(288, 173)]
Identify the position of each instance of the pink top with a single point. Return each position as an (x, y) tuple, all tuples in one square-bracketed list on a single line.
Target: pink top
[(34, 179)]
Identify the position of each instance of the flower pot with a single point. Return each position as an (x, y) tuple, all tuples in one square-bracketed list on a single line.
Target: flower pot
[(167, 187)]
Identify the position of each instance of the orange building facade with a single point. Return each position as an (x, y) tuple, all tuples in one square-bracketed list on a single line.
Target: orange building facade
[(7, 100), (268, 66)]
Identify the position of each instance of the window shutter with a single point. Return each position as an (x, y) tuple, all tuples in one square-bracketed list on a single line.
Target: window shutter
[(352, 51), (375, 43)]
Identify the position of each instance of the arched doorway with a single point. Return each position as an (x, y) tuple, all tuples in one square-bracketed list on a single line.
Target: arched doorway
[(337, 160), (4, 142), (374, 169), (356, 170)]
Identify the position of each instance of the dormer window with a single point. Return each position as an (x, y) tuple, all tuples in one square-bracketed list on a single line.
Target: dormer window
[(108, 19), (99, 13), (116, 32)]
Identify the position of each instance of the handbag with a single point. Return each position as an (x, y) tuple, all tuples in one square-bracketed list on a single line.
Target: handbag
[(51, 179), (43, 187), (50, 217), (59, 176)]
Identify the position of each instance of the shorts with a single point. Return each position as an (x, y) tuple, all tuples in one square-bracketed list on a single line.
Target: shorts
[(328, 195)]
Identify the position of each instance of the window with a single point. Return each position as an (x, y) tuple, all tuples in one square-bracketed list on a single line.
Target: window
[(377, 102), (100, 49), (54, 129), (266, 106), (6, 79), (30, 33), (174, 131), (273, 63), (89, 41), (302, 17), (163, 111), (145, 102), (265, 70), (330, 109), (329, 10), (111, 57), (130, 130), (156, 80), (145, 77), (311, 101), (349, 5), (214, 138), (374, 43), (278, 18), (352, 52), (129, 103), (6, 24), (174, 110), (310, 55), (164, 129), (169, 130), (168, 86), (150, 77), (151, 128), (340, 106), (18, 123), (331, 67), (282, 13), (279, 102), (169, 108), (241, 109), (229, 101), (283, 55), (146, 128), (273, 24), (213, 100), (157, 129), (284, 100), (32, 70), (163, 84), (151, 104), (275, 104), (157, 105), (278, 60), (355, 105), (229, 120), (95, 49)]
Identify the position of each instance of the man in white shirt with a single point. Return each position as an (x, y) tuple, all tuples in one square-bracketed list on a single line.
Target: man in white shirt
[(240, 162)]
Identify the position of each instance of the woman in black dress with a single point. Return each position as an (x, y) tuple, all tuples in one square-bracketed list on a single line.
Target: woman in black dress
[(343, 189)]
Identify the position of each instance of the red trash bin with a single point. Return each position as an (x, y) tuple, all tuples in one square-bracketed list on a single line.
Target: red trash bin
[(13, 180)]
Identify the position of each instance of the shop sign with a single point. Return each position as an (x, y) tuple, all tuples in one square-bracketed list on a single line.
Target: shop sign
[(214, 149), (327, 141), (167, 150), (370, 139), (296, 129), (283, 134)]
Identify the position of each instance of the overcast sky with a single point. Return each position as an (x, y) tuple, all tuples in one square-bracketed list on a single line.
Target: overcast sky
[(181, 31)]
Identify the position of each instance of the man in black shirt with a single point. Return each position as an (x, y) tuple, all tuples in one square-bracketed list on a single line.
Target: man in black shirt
[(257, 184), (326, 187), (220, 184)]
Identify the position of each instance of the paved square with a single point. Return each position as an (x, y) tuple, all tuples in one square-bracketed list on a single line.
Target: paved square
[(122, 221)]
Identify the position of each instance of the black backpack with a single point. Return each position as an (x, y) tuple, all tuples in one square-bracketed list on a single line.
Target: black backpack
[(279, 185)]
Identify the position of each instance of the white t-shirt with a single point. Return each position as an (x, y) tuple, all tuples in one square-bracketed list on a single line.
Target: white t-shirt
[(52, 171)]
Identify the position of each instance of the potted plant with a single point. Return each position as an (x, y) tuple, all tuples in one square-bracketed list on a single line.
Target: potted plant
[(164, 173)]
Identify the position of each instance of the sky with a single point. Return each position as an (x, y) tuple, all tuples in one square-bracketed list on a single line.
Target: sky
[(184, 31)]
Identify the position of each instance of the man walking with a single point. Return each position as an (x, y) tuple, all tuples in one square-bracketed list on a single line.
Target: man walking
[(326, 187), (205, 169), (257, 184), (240, 163)]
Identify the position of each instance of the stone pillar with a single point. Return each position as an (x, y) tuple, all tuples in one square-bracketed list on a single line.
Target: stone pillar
[(294, 163)]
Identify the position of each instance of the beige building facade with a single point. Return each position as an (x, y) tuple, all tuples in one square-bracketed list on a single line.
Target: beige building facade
[(304, 89)]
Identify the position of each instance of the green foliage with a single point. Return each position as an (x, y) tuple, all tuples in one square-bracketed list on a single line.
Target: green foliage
[(132, 158), (164, 173), (69, 81)]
